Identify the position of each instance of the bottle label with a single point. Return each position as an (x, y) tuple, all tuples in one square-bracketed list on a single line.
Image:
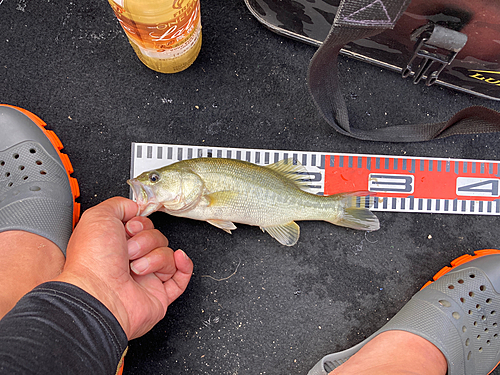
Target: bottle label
[(175, 51), (167, 39)]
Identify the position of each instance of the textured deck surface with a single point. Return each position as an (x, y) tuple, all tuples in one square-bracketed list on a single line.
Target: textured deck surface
[(266, 308)]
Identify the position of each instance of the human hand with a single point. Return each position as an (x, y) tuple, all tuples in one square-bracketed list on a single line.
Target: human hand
[(99, 252)]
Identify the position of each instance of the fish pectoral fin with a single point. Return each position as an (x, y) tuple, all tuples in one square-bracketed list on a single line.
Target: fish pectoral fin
[(286, 234), (225, 225), (220, 198)]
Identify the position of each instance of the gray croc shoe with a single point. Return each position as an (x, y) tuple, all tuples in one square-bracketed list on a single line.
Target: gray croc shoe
[(458, 312), (37, 194)]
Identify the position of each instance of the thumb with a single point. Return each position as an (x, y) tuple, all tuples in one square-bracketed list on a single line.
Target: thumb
[(117, 207)]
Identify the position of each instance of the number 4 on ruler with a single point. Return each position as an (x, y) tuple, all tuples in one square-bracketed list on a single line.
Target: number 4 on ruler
[(478, 187)]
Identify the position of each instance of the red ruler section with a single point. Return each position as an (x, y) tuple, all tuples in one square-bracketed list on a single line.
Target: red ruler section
[(417, 184)]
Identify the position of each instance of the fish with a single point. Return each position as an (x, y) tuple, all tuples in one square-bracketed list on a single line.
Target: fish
[(224, 191)]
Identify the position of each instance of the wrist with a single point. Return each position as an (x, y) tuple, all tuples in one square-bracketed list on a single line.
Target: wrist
[(102, 293)]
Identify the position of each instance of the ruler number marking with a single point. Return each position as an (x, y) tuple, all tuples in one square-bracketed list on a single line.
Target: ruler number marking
[(390, 183), (479, 187)]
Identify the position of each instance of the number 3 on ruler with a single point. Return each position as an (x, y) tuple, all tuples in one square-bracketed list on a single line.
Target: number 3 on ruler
[(477, 187), (390, 183)]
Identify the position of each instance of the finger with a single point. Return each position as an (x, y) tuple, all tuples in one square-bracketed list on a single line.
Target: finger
[(102, 224), (138, 224), (118, 207), (179, 281), (182, 264), (159, 260), (144, 242)]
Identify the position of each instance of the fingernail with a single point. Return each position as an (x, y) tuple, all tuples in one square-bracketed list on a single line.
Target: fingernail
[(134, 227), (140, 265), (185, 255), (133, 248)]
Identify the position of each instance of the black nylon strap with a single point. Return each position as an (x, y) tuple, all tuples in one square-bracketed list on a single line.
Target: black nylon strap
[(358, 19)]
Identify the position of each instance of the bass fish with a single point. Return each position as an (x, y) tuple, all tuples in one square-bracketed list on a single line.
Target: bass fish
[(227, 191)]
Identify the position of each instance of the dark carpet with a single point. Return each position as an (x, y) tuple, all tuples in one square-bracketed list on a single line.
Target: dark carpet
[(284, 307)]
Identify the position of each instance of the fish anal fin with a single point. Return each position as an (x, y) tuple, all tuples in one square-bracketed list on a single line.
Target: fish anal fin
[(293, 171), (225, 225), (286, 234)]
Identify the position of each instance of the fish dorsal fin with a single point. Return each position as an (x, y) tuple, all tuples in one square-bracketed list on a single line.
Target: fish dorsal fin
[(294, 171), (286, 234)]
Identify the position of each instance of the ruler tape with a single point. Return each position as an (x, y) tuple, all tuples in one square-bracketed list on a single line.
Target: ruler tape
[(401, 184)]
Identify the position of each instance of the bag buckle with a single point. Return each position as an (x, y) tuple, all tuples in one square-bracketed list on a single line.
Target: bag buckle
[(435, 46)]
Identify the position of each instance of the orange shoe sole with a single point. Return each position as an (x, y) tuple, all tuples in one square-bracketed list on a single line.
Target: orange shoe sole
[(56, 142), (459, 261)]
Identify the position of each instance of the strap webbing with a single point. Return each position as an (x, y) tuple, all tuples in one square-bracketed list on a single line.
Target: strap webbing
[(358, 19)]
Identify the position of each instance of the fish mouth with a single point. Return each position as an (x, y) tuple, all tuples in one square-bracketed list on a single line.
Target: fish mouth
[(145, 198)]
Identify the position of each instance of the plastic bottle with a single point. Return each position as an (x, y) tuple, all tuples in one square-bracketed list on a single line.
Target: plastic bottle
[(165, 34)]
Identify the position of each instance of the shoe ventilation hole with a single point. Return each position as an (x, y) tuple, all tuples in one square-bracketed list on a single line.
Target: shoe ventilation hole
[(451, 287), (467, 342), (462, 299), (495, 335), (471, 294), (478, 306), (479, 337), (464, 329), (472, 275), (470, 312), (15, 156), (460, 281), (488, 342), (480, 350), (43, 172), (482, 288), (469, 356), (35, 188), (32, 150), (488, 300), (475, 324), (493, 312), (10, 184), (21, 167), (486, 330), (455, 315), (495, 325), (38, 162), (444, 303), (483, 318), (2, 163), (7, 174)]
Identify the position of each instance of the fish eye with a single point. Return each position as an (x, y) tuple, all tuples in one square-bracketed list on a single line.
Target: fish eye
[(154, 177)]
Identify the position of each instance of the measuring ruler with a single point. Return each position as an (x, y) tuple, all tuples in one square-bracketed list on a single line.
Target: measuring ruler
[(398, 183)]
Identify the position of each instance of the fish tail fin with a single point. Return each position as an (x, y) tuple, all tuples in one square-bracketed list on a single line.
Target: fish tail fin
[(354, 214)]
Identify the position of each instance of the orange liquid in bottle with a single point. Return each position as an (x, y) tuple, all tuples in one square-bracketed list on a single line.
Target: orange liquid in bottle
[(165, 34)]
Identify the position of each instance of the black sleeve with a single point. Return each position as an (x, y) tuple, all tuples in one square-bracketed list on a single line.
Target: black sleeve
[(57, 328)]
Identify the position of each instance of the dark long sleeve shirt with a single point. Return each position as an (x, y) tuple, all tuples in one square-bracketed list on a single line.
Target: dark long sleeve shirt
[(57, 328)]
